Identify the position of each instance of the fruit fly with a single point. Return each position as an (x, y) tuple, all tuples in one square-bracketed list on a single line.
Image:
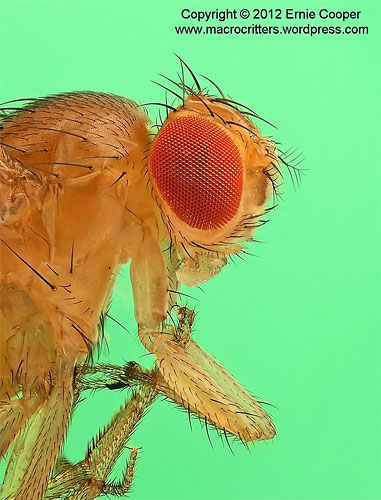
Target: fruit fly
[(88, 185)]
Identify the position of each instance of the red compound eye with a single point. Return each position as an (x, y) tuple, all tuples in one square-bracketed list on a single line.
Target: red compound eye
[(197, 169)]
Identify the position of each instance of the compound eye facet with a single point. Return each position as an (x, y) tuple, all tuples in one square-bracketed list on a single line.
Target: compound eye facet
[(197, 168)]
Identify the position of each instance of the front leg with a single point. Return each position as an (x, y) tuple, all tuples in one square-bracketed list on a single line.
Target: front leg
[(149, 279)]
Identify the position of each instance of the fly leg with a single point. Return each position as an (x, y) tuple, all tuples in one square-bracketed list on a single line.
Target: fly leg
[(183, 329), (188, 374), (13, 418), (39, 385), (88, 479), (110, 376), (75, 479), (75, 482), (38, 444), (121, 488)]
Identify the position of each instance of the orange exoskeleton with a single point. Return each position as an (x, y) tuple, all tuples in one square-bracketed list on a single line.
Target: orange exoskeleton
[(86, 187)]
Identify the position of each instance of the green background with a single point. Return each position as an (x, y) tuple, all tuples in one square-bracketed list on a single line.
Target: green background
[(298, 324)]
